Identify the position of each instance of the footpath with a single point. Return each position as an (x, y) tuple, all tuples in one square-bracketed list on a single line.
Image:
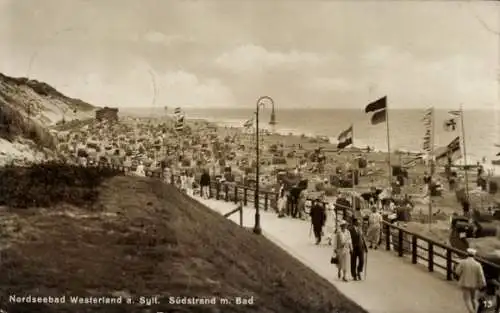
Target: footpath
[(392, 285)]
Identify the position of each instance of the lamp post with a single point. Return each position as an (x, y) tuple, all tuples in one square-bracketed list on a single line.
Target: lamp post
[(257, 229)]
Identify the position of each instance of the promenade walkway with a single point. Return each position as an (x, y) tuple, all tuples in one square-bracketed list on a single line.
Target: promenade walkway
[(393, 285)]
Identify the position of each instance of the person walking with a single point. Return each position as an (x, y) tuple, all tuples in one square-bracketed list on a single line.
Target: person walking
[(359, 248), (183, 185), (343, 248), (318, 218), (189, 184), (205, 185), (282, 197), (374, 228), (301, 204), (293, 200), (470, 279), (330, 223), (167, 175)]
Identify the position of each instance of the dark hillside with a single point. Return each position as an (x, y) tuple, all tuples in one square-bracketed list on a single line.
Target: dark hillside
[(142, 238)]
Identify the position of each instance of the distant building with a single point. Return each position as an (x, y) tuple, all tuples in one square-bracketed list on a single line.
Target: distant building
[(110, 114)]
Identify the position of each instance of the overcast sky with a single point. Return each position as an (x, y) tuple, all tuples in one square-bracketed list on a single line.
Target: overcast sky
[(228, 53)]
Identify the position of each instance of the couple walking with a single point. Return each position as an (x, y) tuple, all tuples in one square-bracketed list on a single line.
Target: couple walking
[(350, 250)]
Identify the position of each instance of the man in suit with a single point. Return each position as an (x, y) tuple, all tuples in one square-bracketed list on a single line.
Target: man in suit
[(318, 219), (359, 248)]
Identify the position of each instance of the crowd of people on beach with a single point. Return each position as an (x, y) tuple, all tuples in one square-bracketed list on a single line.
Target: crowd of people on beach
[(198, 159), (141, 145)]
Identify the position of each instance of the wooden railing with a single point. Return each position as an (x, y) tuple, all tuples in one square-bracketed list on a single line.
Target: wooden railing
[(238, 209), (437, 257)]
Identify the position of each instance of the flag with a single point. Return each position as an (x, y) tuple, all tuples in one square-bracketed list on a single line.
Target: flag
[(427, 120), (379, 108), (179, 119), (413, 162), (345, 138), (452, 149), (248, 123), (179, 124), (427, 145), (450, 125)]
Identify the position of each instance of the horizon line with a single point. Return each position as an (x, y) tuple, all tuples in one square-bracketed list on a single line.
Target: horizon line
[(302, 108)]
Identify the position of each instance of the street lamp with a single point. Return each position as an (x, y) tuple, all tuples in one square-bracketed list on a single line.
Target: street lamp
[(257, 229)]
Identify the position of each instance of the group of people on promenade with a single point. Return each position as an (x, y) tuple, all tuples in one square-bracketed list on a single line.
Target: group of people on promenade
[(350, 240)]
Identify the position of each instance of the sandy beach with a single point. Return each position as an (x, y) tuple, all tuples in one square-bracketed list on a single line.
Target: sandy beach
[(151, 143)]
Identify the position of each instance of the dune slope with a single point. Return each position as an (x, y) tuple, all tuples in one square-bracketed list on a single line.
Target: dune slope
[(142, 238)]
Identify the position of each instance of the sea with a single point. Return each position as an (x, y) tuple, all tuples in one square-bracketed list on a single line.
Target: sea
[(406, 128)]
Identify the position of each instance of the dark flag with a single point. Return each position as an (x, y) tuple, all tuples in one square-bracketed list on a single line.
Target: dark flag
[(345, 138), (248, 123), (379, 108), (450, 125), (453, 148)]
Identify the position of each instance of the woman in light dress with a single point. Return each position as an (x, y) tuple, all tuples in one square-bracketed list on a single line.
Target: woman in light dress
[(375, 220), (282, 197), (189, 184), (301, 204), (343, 248), (183, 182), (331, 218)]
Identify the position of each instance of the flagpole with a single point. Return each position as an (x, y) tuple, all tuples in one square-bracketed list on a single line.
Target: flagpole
[(353, 173), (432, 167), (465, 153), (388, 143)]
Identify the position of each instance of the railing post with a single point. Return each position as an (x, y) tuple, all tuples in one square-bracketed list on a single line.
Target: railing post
[(217, 191), (226, 192), (414, 249), (431, 257), (449, 265), (400, 243), (236, 194), (266, 201), (387, 237), (245, 196), (241, 214)]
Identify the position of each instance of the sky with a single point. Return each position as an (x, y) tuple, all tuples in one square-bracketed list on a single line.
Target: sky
[(223, 53)]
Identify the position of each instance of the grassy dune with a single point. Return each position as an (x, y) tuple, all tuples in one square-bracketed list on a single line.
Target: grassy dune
[(139, 237)]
